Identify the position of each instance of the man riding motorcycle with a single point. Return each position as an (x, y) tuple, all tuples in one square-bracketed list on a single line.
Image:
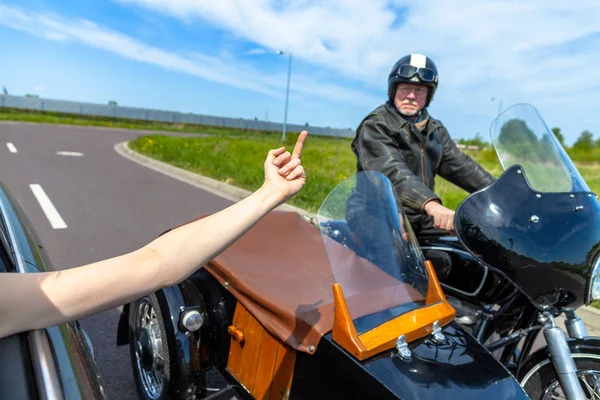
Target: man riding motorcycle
[(401, 140)]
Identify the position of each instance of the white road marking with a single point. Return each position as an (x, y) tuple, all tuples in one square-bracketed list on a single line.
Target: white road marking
[(11, 147), (53, 216), (69, 153)]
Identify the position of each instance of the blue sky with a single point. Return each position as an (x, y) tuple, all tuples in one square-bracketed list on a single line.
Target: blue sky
[(219, 57)]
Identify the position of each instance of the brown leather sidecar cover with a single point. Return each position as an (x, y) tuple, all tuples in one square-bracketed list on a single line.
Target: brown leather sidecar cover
[(279, 270)]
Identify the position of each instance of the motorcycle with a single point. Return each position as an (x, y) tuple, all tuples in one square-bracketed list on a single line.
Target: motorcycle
[(526, 251), (351, 310), (355, 310)]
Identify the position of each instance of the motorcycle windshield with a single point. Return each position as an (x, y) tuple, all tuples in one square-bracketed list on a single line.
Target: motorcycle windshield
[(521, 137), (372, 251)]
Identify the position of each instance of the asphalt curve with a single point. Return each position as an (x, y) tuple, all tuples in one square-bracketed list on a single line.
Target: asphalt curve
[(109, 204)]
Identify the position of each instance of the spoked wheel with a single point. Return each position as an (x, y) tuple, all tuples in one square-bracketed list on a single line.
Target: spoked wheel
[(589, 381), (149, 349), (542, 383)]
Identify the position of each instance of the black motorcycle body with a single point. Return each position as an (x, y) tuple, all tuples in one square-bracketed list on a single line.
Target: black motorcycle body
[(425, 356), (526, 249)]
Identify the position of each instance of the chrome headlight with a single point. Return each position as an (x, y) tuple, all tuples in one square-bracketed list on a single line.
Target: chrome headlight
[(594, 288)]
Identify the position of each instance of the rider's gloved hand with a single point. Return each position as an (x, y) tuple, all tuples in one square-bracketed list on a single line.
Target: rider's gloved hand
[(443, 218)]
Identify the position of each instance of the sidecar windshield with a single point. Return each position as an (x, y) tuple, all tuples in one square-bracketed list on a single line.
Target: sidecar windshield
[(372, 251), (520, 136)]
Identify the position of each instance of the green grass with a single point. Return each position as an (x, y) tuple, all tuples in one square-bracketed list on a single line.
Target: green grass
[(48, 117), (240, 161), (327, 161)]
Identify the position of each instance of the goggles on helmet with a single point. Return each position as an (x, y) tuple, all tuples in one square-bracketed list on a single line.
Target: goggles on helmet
[(408, 71)]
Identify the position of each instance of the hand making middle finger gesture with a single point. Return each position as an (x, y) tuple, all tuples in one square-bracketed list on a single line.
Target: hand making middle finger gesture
[(284, 170)]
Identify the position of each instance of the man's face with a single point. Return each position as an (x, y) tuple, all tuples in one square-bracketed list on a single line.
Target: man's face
[(410, 98)]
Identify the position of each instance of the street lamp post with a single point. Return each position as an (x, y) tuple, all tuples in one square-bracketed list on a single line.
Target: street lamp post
[(287, 92)]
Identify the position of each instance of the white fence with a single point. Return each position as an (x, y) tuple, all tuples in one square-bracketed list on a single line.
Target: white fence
[(147, 114)]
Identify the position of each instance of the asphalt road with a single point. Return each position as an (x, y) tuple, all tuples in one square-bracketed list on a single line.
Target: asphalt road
[(109, 204)]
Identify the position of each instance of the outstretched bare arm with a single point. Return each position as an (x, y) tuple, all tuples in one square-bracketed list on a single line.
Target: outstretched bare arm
[(33, 301)]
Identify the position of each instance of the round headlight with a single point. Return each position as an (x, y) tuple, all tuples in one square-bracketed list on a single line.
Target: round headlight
[(594, 290)]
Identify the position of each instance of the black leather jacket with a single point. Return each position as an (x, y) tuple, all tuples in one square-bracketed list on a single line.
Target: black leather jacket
[(388, 143)]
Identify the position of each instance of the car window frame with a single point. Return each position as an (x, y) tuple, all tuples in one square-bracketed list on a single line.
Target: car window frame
[(7, 252), (40, 349)]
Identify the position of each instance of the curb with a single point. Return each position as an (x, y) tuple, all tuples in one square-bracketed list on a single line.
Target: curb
[(213, 186), (590, 316)]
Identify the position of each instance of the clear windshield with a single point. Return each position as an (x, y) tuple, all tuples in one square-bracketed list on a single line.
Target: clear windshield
[(520, 136), (372, 250)]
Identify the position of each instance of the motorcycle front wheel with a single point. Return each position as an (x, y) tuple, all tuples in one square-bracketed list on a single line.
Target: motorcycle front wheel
[(541, 382)]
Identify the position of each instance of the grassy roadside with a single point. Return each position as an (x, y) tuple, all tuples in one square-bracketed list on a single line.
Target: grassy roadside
[(48, 117), (240, 161), (327, 161), (237, 161)]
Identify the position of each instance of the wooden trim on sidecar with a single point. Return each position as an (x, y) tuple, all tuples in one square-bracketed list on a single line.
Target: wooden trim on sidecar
[(346, 334), (263, 364), (414, 324)]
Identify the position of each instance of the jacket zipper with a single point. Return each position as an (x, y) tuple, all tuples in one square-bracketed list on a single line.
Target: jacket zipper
[(423, 165), (423, 155)]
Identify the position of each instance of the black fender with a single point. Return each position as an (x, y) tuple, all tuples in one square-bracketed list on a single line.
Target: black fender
[(590, 344), (458, 368)]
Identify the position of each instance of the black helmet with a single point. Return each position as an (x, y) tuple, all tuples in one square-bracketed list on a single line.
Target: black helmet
[(413, 68)]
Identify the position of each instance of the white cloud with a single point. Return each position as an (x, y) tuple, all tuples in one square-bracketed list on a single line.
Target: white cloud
[(256, 51), (495, 48), (219, 70)]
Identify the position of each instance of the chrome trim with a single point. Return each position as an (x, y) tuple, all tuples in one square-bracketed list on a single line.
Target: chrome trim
[(485, 269), (575, 326), (402, 347), (46, 375), (44, 367), (595, 266), (564, 364), (437, 334)]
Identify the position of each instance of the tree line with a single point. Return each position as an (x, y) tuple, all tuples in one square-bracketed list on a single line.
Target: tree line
[(584, 142)]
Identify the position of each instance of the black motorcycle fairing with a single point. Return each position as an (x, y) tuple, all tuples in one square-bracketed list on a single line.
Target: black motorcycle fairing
[(460, 368), (544, 242)]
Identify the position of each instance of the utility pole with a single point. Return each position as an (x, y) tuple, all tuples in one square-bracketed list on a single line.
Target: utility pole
[(287, 93)]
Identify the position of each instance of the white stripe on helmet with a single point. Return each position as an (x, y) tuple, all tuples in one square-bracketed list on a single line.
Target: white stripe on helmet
[(418, 60)]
